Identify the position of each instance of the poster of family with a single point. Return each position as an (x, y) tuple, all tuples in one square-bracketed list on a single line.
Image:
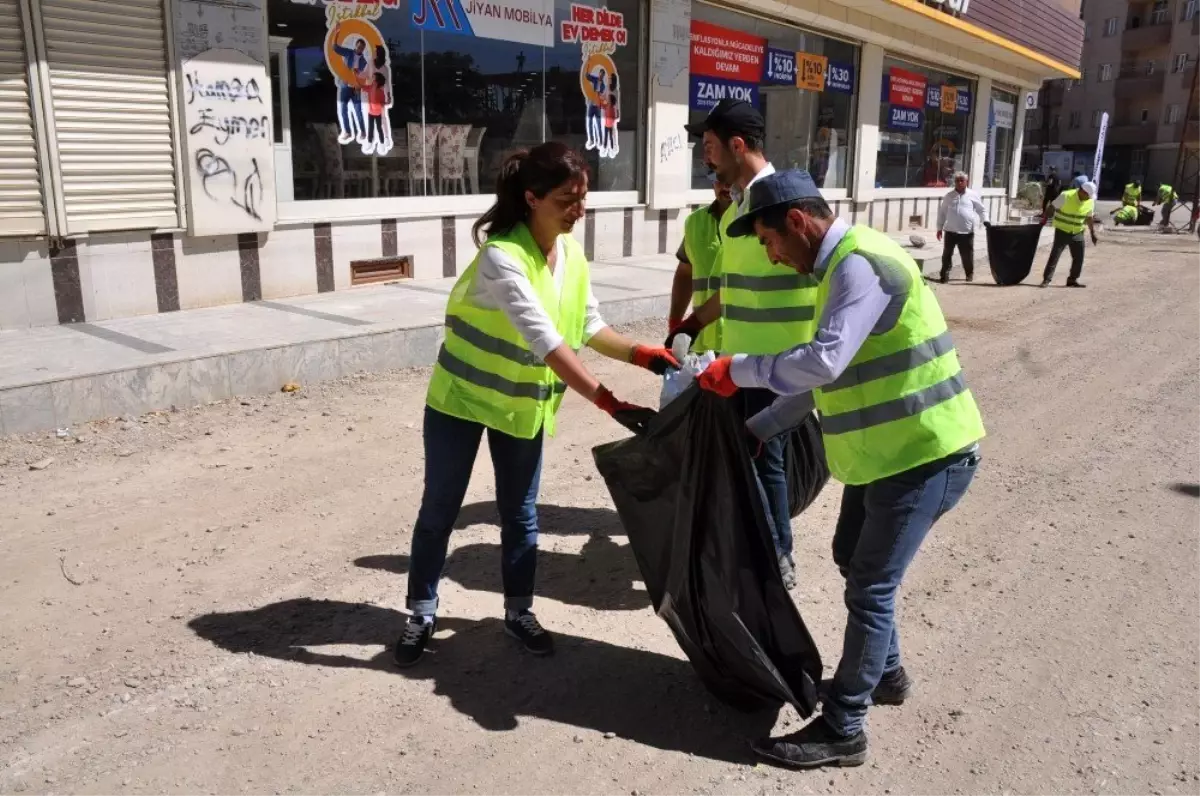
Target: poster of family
[(358, 57)]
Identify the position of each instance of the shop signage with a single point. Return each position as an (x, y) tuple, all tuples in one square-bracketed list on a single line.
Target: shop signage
[(522, 21), (810, 71), (726, 53), (599, 33), (906, 89), (360, 60), (962, 99), (839, 77), (956, 8), (1004, 113), (705, 92), (903, 118), (949, 99), (781, 67)]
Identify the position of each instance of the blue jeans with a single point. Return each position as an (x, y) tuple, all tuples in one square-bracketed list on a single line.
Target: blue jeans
[(348, 100), (450, 448), (881, 526), (772, 473)]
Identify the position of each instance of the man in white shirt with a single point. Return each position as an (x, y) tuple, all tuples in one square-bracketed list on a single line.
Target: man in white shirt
[(958, 214)]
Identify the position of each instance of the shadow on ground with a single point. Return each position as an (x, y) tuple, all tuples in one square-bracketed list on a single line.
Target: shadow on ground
[(600, 576), (553, 520), (642, 696), (1191, 490)]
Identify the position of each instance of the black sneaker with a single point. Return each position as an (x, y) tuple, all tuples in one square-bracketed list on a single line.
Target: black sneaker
[(788, 570), (815, 745), (970, 277), (893, 689), (412, 642), (1045, 283), (527, 630), (1075, 284)]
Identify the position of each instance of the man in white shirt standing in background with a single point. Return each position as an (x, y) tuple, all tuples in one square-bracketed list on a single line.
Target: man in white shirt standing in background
[(958, 214)]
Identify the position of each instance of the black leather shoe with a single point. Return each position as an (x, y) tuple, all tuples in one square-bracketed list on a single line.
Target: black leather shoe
[(815, 745), (944, 278), (1075, 284), (1045, 283), (893, 689)]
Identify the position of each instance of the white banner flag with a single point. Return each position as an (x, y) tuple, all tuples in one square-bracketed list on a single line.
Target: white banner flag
[(1099, 151)]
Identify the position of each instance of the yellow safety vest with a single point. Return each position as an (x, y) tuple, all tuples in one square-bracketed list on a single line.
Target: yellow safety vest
[(702, 242), (1072, 216), (485, 371), (1165, 193), (903, 401), (1127, 213), (767, 308), (1132, 194)]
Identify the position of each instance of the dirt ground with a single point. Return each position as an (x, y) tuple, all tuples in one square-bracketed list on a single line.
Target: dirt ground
[(202, 601)]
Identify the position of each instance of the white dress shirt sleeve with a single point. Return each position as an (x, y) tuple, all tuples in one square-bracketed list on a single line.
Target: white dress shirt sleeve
[(503, 280), (941, 219), (593, 321), (980, 208), (856, 303)]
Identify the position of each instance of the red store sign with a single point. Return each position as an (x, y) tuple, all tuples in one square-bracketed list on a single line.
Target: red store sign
[(727, 53), (906, 89)]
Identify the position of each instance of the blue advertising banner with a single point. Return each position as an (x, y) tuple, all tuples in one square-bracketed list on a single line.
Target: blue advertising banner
[(901, 118), (933, 98), (705, 92), (781, 67), (840, 77)]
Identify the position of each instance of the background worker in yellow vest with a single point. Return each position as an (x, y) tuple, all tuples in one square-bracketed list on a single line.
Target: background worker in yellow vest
[(1132, 195), (1166, 197), (514, 321), (696, 277), (1125, 214), (764, 308), (1073, 210), (900, 427)]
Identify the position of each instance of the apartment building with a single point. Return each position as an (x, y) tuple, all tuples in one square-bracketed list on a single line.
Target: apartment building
[(1139, 66)]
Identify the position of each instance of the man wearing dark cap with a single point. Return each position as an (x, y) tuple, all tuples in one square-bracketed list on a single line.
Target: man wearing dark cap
[(764, 308), (900, 427)]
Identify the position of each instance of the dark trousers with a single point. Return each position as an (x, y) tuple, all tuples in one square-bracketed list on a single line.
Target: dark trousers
[(1064, 240), (450, 448), (881, 526), (965, 242), (772, 472)]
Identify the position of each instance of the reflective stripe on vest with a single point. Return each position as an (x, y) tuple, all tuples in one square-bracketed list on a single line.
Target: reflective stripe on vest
[(702, 242), (903, 401), (1071, 217), (767, 308), (485, 372), (515, 389)]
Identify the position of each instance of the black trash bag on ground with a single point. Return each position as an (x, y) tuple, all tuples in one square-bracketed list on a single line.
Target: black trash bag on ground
[(807, 469), (691, 504), (1011, 251), (1145, 217)]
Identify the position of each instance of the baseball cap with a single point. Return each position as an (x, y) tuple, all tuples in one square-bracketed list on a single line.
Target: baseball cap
[(736, 117), (782, 187), (1089, 188)]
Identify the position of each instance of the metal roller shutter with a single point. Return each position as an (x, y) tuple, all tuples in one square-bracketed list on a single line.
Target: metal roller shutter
[(110, 108), (21, 211)]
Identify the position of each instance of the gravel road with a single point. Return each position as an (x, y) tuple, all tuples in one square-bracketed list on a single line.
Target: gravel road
[(201, 601)]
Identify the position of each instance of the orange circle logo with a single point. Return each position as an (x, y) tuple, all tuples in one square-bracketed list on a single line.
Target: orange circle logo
[(342, 32), (594, 63)]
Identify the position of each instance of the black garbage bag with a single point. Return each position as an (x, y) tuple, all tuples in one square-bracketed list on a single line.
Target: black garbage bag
[(807, 469), (691, 504), (1145, 217), (1011, 250)]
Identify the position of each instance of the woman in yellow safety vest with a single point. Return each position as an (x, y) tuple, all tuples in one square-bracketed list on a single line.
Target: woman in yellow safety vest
[(514, 321)]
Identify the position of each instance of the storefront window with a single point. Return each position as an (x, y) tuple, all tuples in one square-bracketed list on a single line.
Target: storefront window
[(1001, 118), (803, 83), (427, 97), (924, 126)]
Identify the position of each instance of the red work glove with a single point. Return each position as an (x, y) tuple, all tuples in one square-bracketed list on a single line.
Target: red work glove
[(716, 378), (655, 360), (690, 326), (633, 417)]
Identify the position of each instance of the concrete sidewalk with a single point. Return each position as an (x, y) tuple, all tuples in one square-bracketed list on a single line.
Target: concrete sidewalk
[(59, 376)]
